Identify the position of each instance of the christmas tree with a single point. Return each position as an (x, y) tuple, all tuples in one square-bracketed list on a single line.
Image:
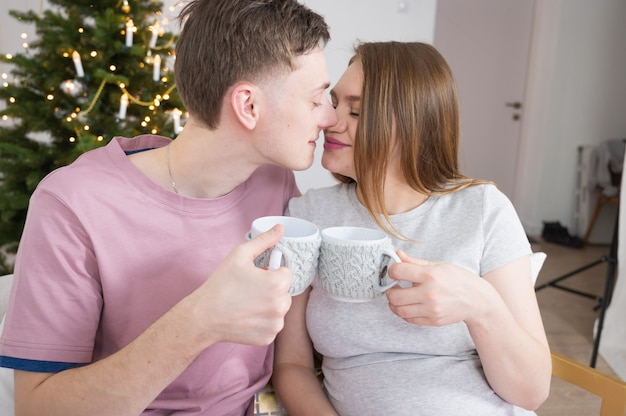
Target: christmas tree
[(97, 69)]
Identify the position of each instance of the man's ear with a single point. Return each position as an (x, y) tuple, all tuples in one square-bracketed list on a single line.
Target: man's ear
[(243, 100)]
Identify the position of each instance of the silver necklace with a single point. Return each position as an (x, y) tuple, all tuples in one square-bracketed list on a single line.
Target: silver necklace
[(169, 168)]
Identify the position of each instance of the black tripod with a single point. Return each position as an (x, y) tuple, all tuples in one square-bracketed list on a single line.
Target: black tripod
[(605, 299)]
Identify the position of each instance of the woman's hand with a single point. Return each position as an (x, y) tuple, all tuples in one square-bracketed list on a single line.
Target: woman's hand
[(440, 294)]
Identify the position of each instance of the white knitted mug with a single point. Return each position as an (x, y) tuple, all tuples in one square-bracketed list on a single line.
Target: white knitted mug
[(354, 261), (298, 250)]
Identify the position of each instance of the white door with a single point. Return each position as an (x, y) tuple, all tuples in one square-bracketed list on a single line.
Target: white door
[(487, 43)]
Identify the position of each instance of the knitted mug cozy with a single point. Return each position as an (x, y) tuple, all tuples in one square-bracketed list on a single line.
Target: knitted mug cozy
[(355, 273), (299, 256)]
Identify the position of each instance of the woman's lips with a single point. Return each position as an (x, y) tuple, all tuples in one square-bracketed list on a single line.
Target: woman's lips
[(330, 143)]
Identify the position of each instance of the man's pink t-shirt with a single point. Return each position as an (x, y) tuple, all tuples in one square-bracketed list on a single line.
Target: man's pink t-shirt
[(105, 252)]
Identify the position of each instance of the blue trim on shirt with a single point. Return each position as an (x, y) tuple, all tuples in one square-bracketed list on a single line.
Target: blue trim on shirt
[(35, 365), (132, 152)]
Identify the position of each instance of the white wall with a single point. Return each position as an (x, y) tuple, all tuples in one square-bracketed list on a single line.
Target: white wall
[(576, 96)]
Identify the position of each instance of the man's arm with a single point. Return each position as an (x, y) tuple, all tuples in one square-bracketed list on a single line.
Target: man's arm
[(220, 310)]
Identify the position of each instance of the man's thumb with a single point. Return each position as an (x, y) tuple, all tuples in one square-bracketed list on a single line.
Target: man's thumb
[(266, 240)]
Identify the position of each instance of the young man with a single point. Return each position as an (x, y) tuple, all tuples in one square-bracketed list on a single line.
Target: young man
[(135, 291)]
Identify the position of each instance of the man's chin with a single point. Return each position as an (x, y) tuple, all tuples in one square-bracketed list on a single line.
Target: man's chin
[(301, 166), (303, 163)]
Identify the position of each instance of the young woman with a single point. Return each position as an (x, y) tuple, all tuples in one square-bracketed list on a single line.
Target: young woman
[(466, 336)]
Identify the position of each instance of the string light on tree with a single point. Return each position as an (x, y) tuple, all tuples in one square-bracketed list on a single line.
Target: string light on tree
[(24, 44)]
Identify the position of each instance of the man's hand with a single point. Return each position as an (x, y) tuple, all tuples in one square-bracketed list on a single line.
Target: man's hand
[(243, 303)]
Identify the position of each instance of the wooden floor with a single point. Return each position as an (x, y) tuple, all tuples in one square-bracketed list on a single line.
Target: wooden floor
[(569, 321)]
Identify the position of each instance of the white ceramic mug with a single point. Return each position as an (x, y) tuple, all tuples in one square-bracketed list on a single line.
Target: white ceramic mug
[(354, 262), (297, 250)]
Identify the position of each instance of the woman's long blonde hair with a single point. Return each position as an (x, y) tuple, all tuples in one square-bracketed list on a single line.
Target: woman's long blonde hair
[(409, 100)]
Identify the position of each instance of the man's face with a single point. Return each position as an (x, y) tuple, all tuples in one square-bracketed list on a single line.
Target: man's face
[(296, 111)]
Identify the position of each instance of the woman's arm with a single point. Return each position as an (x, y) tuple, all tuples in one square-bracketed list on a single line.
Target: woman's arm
[(294, 377), (510, 337), (501, 312)]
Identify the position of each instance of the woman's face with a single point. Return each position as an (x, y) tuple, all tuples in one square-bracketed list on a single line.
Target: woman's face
[(338, 154)]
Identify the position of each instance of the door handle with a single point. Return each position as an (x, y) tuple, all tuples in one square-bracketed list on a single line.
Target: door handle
[(516, 105)]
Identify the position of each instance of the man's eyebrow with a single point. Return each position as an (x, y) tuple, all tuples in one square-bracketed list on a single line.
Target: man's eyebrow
[(322, 87), (349, 98)]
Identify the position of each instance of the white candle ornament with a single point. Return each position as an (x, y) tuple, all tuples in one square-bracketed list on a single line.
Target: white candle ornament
[(156, 71), (130, 27), (123, 106), (155, 35), (78, 64), (176, 118)]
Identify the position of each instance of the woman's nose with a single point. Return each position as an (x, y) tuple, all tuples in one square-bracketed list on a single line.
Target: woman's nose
[(340, 121)]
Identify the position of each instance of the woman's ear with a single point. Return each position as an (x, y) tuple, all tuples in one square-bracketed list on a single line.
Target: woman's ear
[(243, 100)]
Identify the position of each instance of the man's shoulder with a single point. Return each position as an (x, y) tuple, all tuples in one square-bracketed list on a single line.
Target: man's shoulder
[(87, 166)]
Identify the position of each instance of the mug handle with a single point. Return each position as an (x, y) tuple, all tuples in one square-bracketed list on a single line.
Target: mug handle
[(276, 258), (394, 257)]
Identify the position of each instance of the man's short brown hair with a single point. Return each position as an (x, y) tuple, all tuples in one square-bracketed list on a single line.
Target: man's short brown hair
[(224, 41)]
